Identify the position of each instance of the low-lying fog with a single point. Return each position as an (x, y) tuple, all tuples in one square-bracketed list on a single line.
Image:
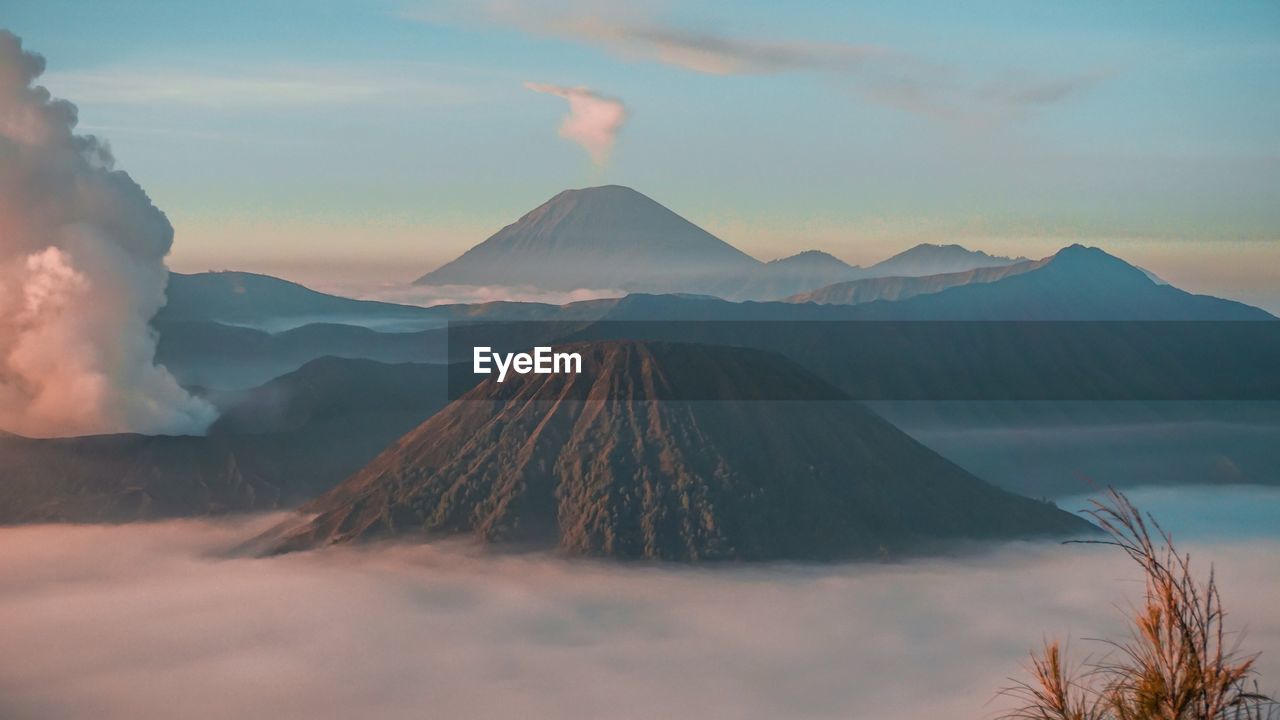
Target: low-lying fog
[(432, 295), (1045, 449), (153, 620)]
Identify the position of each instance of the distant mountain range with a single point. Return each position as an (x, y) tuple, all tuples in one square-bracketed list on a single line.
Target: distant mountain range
[(262, 302), (930, 259), (613, 237), (778, 278), (242, 298), (616, 237), (1076, 283), (607, 463), (217, 356), (900, 287)]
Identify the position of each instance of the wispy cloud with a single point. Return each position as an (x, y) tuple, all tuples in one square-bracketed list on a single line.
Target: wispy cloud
[(707, 52), (876, 73), (593, 121), (281, 86)]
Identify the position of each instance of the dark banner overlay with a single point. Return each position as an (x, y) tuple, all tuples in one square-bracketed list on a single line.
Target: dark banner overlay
[(882, 361)]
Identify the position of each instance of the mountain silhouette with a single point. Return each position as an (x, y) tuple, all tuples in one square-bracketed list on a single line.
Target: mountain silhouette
[(599, 237), (253, 299), (785, 276), (218, 356), (613, 462), (1076, 283), (856, 292), (930, 259)]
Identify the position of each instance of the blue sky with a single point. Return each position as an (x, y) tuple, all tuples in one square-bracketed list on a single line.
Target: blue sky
[(320, 140)]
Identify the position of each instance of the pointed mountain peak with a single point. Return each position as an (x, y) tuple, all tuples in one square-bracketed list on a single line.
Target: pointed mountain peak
[(609, 237)]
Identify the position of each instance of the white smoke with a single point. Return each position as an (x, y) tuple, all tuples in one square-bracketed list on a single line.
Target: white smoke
[(593, 121), (81, 274)]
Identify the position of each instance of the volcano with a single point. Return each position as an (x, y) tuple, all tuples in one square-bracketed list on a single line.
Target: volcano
[(618, 462), (600, 237)]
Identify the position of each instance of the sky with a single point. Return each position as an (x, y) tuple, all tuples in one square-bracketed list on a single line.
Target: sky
[(330, 141)]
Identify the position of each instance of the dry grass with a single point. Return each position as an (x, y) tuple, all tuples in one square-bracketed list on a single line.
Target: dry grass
[(1176, 664)]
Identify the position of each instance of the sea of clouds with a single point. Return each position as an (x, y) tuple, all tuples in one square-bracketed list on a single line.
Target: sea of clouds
[(432, 295), (158, 620)]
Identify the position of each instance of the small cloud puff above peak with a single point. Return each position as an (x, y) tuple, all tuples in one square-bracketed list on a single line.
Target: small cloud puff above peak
[(593, 120)]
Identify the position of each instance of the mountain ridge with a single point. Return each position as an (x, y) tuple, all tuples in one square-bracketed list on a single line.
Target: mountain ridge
[(239, 297), (935, 259), (614, 237), (856, 292), (1076, 283)]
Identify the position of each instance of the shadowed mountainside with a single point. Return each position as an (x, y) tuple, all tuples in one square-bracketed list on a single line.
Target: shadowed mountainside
[(275, 446), (856, 292), (252, 299), (218, 356)]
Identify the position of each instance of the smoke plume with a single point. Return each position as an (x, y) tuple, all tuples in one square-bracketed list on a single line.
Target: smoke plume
[(81, 274), (593, 121)]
